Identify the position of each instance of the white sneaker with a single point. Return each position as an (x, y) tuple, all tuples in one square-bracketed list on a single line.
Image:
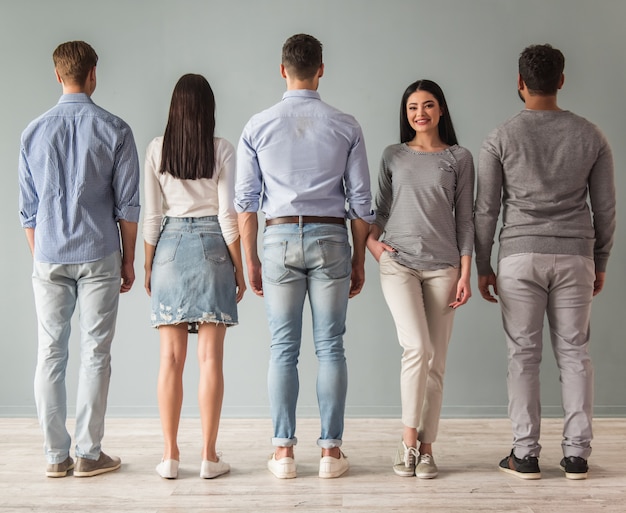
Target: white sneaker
[(168, 469), (333, 467), (211, 469), (426, 468), (284, 468)]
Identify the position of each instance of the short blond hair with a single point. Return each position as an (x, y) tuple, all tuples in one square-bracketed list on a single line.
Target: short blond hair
[(74, 60)]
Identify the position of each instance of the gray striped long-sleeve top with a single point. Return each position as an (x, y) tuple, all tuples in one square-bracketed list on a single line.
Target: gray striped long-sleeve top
[(424, 205)]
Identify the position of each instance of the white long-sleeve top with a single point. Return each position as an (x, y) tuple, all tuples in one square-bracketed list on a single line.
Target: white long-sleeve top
[(165, 195)]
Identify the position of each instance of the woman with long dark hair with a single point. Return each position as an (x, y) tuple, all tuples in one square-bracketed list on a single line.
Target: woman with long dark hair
[(193, 265), (424, 209)]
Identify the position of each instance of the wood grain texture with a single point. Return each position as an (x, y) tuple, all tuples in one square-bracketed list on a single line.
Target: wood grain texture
[(467, 453)]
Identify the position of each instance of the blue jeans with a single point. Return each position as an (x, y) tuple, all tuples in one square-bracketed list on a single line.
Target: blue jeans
[(313, 258), (58, 288)]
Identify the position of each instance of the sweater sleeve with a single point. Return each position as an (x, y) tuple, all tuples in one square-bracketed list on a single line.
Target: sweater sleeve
[(463, 209), (488, 202), (602, 200), (384, 196)]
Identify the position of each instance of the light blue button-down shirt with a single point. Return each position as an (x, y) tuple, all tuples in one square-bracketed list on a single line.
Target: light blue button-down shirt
[(303, 157), (78, 175)]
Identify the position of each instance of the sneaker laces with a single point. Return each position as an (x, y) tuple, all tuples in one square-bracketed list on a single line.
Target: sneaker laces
[(426, 459), (410, 456)]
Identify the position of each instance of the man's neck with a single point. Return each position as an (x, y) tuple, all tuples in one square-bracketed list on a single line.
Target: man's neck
[(311, 84), (74, 89), (541, 102), (301, 87)]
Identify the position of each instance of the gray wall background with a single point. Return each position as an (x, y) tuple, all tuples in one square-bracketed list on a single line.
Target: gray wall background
[(373, 50)]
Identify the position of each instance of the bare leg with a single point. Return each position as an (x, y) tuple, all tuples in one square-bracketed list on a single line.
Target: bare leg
[(283, 452), (426, 449), (335, 452), (409, 436), (170, 385), (211, 386)]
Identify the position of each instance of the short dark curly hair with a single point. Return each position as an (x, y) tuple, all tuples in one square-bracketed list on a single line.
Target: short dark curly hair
[(541, 68)]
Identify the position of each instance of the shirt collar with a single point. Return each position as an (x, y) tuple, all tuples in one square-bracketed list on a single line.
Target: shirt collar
[(302, 93), (75, 98)]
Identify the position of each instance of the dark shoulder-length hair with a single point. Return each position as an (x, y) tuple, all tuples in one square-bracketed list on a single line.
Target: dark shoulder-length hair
[(188, 147), (446, 129)]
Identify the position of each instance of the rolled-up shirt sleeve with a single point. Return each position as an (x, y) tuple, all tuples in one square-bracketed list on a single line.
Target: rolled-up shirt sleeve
[(126, 181), (28, 199), (357, 182), (249, 181)]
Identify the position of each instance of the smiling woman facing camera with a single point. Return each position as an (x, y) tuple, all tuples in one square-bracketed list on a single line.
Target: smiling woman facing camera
[(424, 209)]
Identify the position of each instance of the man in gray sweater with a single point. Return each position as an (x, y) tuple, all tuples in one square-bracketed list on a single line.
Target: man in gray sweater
[(550, 170)]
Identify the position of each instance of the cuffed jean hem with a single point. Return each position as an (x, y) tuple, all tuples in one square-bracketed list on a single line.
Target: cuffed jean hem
[(328, 443), (55, 460), (284, 442)]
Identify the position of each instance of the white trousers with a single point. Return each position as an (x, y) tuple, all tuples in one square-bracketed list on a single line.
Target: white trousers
[(418, 301)]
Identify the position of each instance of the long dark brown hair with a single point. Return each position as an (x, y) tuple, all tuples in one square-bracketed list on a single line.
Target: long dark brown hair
[(188, 148), (446, 129)]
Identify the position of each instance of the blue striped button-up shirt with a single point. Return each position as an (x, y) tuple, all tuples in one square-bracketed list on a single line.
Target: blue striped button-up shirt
[(78, 175), (303, 157)]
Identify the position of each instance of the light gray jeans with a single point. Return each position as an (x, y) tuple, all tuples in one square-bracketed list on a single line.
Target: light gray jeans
[(418, 302), (59, 288), (529, 287)]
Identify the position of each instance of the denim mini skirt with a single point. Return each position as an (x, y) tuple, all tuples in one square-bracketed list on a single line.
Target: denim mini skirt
[(193, 278)]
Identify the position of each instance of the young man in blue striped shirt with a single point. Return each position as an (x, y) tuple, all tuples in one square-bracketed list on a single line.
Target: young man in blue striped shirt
[(79, 195)]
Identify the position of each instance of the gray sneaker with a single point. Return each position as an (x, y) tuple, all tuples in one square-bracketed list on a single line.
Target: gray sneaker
[(426, 468), (404, 463), (60, 469), (88, 468)]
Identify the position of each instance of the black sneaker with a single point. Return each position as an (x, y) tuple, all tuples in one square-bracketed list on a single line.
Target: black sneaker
[(525, 468), (574, 467)]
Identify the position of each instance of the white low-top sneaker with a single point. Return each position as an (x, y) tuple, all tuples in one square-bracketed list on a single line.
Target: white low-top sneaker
[(168, 469), (333, 467), (284, 468), (211, 469)]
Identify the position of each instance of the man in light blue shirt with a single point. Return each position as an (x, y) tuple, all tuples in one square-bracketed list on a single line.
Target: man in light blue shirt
[(79, 195), (304, 164)]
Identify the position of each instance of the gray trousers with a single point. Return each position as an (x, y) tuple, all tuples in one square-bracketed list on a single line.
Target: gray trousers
[(561, 286)]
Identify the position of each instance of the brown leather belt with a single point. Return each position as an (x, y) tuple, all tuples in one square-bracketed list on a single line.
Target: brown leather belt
[(305, 220)]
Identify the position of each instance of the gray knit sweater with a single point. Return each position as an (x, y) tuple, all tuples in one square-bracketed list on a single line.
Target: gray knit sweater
[(424, 205), (550, 170)]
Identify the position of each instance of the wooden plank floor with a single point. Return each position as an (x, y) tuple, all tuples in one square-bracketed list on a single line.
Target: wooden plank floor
[(467, 454)]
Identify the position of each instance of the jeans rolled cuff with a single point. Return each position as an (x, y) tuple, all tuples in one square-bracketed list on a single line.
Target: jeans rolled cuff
[(328, 443), (284, 442), (55, 460)]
